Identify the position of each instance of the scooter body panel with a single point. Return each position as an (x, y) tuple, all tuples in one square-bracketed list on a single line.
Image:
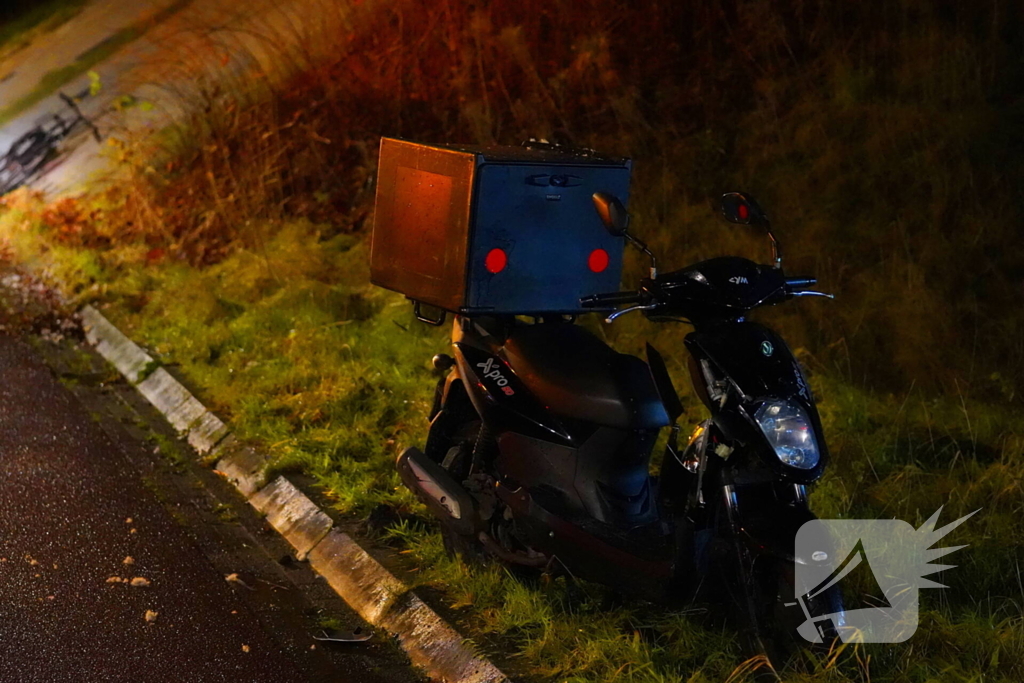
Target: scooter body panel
[(736, 366), (502, 399), (753, 357), (583, 469)]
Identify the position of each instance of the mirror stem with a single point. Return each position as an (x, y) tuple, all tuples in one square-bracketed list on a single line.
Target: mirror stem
[(643, 247), (776, 248)]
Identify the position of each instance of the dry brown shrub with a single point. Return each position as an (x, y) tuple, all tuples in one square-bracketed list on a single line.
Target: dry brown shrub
[(74, 223), (883, 137), (284, 117)]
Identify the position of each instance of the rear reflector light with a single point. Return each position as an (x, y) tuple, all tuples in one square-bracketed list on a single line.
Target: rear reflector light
[(598, 260), (496, 261)]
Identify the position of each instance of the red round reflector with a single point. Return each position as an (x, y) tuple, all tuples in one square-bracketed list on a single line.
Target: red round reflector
[(743, 211), (598, 260), (496, 261)]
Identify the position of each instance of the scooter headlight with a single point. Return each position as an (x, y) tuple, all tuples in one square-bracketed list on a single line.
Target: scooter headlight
[(789, 431)]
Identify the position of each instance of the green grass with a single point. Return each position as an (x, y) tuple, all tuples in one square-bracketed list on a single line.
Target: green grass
[(147, 370), (332, 375)]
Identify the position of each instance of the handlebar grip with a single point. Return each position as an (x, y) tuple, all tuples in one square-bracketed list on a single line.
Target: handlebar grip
[(609, 299), (795, 283)]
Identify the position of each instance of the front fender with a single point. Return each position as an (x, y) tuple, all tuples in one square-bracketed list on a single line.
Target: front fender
[(771, 530)]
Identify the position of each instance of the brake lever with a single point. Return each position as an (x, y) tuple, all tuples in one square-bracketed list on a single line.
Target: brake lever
[(807, 292), (641, 307)]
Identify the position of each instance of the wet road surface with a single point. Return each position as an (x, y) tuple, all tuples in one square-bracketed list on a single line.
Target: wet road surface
[(72, 509)]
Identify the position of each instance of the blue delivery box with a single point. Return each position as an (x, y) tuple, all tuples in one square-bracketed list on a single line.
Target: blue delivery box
[(495, 230)]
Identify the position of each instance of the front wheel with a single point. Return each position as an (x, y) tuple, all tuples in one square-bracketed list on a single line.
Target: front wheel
[(777, 613)]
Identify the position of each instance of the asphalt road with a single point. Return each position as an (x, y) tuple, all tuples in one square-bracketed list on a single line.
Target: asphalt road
[(73, 506)]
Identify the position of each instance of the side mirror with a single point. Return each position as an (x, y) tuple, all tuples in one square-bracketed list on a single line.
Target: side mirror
[(616, 221), (740, 207), (612, 213)]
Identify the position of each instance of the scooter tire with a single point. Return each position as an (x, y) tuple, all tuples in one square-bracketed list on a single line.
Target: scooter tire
[(779, 615)]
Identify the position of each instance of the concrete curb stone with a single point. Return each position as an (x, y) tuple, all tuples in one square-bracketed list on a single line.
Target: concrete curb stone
[(295, 516), (163, 391), (206, 433), (376, 594), (187, 414), (381, 599), (366, 585), (243, 467), (110, 343)]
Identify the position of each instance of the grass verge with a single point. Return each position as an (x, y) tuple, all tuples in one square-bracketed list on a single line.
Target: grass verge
[(290, 343)]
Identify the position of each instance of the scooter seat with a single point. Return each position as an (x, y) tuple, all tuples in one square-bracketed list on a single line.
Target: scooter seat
[(576, 375)]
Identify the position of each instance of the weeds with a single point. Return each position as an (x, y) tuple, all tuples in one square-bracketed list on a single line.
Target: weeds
[(885, 160), (147, 370), (225, 513), (172, 451)]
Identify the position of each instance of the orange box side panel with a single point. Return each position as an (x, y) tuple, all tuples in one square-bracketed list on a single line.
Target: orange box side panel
[(421, 225)]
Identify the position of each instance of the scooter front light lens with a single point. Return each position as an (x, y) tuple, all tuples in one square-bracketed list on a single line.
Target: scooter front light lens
[(789, 432)]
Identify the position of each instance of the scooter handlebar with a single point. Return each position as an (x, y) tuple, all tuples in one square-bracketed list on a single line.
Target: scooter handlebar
[(610, 299), (798, 283), (799, 286)]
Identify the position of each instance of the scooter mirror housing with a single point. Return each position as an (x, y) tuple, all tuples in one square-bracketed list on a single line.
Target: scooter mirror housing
[(612, 213), (740, 207), (616, 220)]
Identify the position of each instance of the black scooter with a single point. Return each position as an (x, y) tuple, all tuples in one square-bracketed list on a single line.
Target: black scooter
[(539, 448)]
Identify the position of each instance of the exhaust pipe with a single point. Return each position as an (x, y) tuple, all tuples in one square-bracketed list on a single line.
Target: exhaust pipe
[(438, 491)]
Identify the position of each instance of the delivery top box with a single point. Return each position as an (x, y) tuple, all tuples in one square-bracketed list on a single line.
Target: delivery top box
[(495, 230)]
